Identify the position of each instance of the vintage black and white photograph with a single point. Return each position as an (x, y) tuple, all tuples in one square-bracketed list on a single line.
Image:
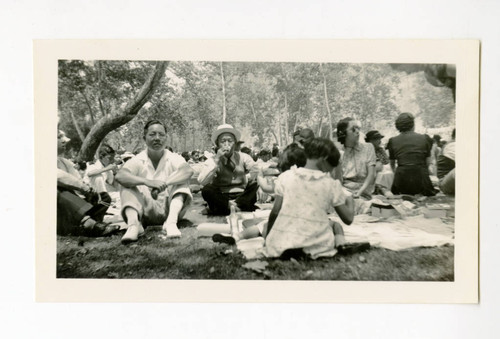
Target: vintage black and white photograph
[(245, 170)]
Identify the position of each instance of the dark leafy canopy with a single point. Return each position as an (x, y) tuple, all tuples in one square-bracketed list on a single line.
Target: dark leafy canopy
[(267, 101)]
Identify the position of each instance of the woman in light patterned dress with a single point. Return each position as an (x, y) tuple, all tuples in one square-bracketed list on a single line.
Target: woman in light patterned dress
[(358, 160)]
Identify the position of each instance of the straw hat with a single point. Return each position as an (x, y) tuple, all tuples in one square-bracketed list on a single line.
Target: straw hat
[(226, 128)]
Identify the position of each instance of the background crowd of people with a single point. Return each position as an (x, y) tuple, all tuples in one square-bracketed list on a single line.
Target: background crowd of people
[(306, 181)]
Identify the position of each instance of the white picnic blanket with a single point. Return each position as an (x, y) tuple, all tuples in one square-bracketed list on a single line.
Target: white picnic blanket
[(393, 234), (399, 234)]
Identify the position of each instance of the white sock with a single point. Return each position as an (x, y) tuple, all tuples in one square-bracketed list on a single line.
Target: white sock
[(173, 213), (132, 216)]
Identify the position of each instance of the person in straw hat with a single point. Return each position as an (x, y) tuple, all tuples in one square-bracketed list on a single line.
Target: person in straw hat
[(224, 176)]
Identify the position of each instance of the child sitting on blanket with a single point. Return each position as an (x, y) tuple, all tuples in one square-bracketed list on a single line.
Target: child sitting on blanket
[(292, 155), (299, 219)]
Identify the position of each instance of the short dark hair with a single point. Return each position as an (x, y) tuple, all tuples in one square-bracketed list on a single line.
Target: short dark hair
[(405, 122), (246, 150), (185, 155), (106, 150), (323, 148), (151, 123), (453, 134), (342, 129), (292, 155), (276, 151)]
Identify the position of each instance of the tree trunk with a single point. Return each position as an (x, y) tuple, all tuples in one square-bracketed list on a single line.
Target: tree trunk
[(275, 137), (296, 122), (253, 111), (99, 78), (78, 129), (320, 126), (330, 130), (113, 121), (287, 127), (279, 128), (223, 95), (91, 111)]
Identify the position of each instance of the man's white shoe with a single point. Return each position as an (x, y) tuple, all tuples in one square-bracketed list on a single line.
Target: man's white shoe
[(133, 233), (171, 230)]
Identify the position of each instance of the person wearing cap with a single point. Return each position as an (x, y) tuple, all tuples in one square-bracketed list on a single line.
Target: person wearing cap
[(155, 186), (79, 209), (412, 153), (224, 176), (375, 138)]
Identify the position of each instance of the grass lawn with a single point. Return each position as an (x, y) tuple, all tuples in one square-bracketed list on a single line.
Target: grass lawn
[(193, 257)]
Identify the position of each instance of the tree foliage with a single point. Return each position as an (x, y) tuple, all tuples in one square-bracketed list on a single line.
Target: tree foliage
[(267, 100)]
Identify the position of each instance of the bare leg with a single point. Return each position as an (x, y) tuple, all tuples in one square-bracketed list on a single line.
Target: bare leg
[(338, 231)]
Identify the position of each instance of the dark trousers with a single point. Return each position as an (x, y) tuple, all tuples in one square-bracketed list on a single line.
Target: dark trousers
[(218, 201), (71, 209)]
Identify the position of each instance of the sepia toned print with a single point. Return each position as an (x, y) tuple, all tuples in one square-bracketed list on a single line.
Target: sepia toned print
[(183, 171)]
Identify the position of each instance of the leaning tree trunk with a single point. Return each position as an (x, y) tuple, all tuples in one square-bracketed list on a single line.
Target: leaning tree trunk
[(115, 120), (78, 129), (330, 123), (223, 94)]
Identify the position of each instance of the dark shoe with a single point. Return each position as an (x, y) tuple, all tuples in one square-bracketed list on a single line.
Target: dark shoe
[(110, 230), (225, 239), (102, 229), (353, 247)]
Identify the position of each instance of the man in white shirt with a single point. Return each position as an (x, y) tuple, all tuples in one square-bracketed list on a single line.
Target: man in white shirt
[(155, 186), (79, 210)]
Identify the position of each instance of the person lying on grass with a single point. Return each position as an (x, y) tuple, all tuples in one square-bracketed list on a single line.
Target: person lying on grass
[(303, 196), (155, 186)]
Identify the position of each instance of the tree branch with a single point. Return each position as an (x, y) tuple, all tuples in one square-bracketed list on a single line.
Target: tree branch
[(112, 121)]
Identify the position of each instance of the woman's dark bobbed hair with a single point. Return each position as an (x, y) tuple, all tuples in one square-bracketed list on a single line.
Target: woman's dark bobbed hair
[(342, 129)]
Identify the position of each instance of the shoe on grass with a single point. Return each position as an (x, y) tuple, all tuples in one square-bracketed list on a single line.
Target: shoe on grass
[(223, 238), (353, 247), (133, 233), (106, 230)]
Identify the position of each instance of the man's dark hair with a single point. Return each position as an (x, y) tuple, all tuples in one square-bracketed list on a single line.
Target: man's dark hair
[(151, 123), (185, 155)]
